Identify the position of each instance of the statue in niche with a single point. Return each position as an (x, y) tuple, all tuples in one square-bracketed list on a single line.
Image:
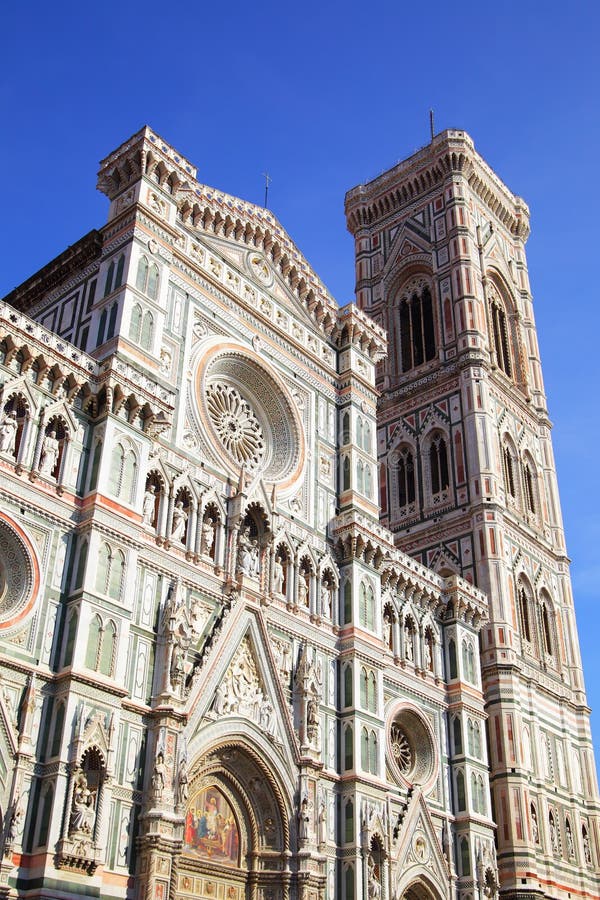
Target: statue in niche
[(428, 662), (373, 883), (49, 454), (208, 535), (285, 658), (387, 630), (313, 724), (322, 821), (12, 826), (534, 826), (8, 433), (326, 592), (83, 811), (302, 589), (158, 775), (586, 848), (254, 559), (409, 650), (278, 576), (303, 821), (149, 508), (179, 522), (182, 782), (177, 664), (553, 835), (245, 563), (267, 717)]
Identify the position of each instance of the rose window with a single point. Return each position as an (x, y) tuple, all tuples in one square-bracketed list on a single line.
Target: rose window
[(411, 748), (18, 574), (401, 749), (246, 414), (236, 424)]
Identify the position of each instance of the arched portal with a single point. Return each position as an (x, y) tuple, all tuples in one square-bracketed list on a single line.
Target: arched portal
[(420, 889), (236, 836)]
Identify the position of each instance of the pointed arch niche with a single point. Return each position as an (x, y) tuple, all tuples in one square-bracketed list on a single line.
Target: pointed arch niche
[(236, 830)]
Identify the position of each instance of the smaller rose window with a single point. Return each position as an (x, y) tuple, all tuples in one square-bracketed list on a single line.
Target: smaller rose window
[(411, 748), (401, 749), (18, 573), (236, 424)]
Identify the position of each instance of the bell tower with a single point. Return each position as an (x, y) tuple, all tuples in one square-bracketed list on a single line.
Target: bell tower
[(468, 484)]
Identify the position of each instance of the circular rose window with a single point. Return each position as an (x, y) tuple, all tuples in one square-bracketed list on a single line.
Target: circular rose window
[(411, 747), (248, 414), (19, 575)]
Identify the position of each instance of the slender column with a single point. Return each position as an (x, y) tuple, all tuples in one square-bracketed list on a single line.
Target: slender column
[(38, 443), (190, 538)]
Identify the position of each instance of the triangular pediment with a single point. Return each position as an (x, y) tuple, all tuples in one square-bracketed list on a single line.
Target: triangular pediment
[(411, 239), (260, 283), (418, 854), (239, 689)]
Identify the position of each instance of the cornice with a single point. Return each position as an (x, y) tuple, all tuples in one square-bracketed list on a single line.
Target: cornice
[(450, 153)]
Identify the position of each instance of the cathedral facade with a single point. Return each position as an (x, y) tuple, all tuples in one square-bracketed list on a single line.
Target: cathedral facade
[(285, 606)]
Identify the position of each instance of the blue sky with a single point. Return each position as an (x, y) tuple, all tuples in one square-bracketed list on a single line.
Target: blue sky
[(324, 96)]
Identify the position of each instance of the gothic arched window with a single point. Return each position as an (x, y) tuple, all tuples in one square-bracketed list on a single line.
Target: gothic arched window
[(405, 472), (141, 278), (438, 464), (457, 735), (500, 331), (523, 611), (373, 753), (509, 471), (546, 618), (528, 471), (147, 331), (135, 323), (367, 606), (416, 328)]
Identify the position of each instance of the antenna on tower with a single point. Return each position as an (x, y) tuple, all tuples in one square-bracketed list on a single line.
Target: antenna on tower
[(268, 181), (431, 128)]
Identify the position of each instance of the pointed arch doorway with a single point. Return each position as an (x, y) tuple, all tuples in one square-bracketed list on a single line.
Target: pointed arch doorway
[(236, 834), (420, 889)]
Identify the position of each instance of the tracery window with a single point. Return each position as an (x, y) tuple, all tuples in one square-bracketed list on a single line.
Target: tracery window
[(416, 328), (509, 473), (405, 471), (546, 628), (465, 856), (114, 275), (438, 464), (147, 278), (110, 572), (366, 606), (457, 734), (348, 747), (347, 602), (500, 331), (529, 486), (135, 323), (122, 481), (523, 611), (348, 685), (373, 753), (101, 647), (461, 798), (345, 473), (468, 658), (368, 690)]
